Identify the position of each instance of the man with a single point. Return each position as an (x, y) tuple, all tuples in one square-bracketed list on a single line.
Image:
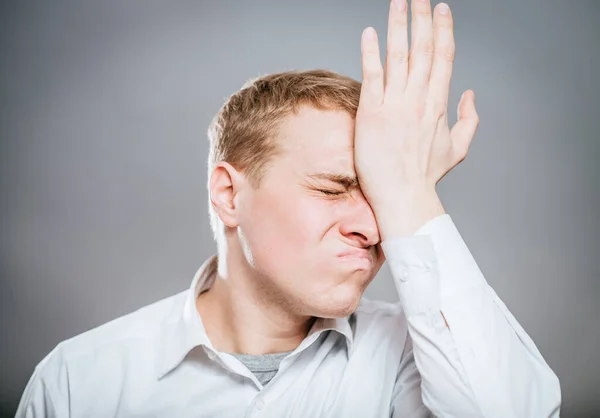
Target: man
[(314, 180)]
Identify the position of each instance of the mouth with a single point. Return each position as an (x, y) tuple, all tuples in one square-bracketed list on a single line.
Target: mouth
[(357, 256)]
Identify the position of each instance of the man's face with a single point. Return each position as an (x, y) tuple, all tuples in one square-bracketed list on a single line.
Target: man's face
[(311, 239)]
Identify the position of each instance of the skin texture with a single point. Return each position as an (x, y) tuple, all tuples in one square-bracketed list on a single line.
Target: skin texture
[(284, 239), (403, 141), (279, 266)]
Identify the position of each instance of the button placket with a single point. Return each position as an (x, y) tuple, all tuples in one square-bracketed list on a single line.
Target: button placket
[(260, 404)]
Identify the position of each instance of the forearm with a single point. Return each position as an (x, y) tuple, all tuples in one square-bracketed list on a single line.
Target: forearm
[(483, 359)]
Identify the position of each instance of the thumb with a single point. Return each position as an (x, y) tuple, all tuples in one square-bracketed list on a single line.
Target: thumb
[(463, 131)]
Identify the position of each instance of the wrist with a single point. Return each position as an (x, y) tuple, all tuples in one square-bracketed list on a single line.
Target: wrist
[(402, 214)]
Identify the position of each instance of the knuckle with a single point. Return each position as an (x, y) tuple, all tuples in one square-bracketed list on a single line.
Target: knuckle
[(418, 112), (422, 12), (433, 111), (446, 53), (371, 70), (438, 109), (424, 47), (400, 21), (398, 56), (371, 53), (429, 119), (427, 50)]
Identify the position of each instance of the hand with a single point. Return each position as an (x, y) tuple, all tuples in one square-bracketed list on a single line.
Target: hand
[(403, 145)]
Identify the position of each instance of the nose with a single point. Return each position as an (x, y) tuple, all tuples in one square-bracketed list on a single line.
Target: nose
[(358, 222)]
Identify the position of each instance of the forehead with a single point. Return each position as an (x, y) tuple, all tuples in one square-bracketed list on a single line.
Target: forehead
[(314, 139)]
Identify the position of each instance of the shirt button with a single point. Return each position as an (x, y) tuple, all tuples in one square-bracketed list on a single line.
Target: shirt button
[(260, 404), (211, 355), (404, 275)]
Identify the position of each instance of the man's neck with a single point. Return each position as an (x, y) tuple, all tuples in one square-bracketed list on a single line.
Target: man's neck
[(238, 318)]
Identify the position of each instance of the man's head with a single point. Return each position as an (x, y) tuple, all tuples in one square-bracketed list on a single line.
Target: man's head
[(283, 191)]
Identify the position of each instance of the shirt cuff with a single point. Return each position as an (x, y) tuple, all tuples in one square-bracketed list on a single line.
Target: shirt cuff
[(431, 265)]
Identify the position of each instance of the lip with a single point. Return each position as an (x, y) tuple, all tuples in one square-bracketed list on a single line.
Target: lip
[(356, 255), (356, 260)]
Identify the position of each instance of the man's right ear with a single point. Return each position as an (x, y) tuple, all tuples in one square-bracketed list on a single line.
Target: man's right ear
[(225, 183)]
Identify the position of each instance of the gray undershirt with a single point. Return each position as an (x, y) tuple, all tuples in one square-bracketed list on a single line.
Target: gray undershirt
[(264, 366)]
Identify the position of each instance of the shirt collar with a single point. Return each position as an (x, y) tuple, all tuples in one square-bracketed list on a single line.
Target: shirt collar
[(184, 330)]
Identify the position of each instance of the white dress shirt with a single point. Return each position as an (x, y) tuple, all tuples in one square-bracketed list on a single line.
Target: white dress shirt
[(386, 359)]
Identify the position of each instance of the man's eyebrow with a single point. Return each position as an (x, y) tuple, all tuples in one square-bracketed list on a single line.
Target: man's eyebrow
[(348, 181)]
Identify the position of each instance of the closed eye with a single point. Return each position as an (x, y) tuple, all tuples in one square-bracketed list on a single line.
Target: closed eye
[(331, 192)]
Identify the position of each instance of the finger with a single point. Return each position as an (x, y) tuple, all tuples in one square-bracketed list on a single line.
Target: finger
[(396, 57), (441, 71), (421, 50), (371, 92), (463, 131)]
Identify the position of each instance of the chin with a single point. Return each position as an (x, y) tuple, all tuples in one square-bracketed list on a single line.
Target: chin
[(340, 305), (339, 311)]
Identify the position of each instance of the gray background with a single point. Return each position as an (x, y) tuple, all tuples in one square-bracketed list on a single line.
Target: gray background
[(103, 112)]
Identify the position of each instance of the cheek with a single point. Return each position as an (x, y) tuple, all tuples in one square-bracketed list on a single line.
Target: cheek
[(287, 229)]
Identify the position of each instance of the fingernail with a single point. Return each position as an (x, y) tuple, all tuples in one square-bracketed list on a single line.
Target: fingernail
[(400, 4), (370, 33), (444, 9)]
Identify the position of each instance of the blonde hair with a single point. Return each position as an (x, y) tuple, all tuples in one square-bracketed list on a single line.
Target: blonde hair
[(243, 132)]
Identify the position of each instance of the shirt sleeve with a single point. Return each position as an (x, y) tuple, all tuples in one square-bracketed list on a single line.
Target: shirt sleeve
[(46, 394), (473, 357)]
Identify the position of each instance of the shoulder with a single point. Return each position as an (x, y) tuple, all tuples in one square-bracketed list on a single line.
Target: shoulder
[(123, 336), (96, 357), (142, 324)]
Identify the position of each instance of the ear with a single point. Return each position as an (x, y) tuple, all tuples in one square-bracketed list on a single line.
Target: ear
[(225, 184)]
